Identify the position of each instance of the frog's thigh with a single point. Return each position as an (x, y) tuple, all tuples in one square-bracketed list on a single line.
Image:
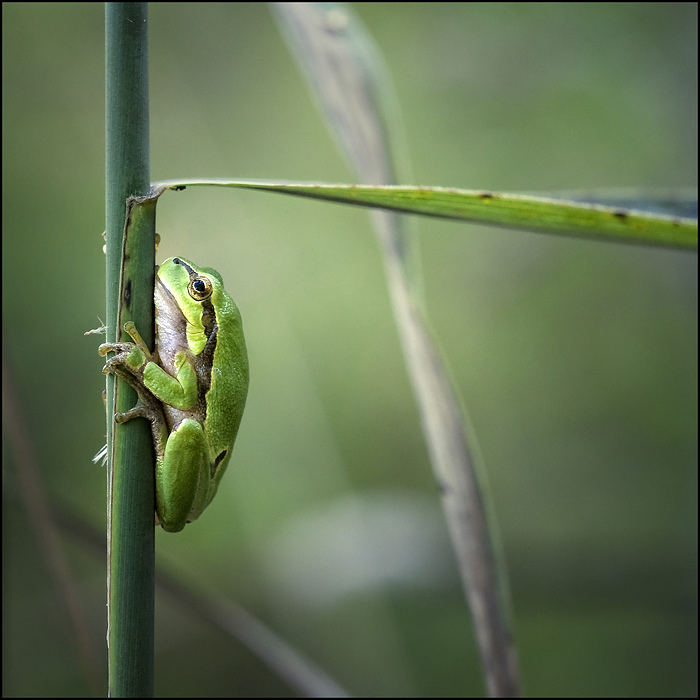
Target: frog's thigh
[(182, 478)]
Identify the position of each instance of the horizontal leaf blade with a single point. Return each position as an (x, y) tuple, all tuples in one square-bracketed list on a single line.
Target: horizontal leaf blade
[(519, 211)]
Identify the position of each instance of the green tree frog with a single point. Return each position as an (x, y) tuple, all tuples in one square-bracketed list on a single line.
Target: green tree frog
[(192, 388)]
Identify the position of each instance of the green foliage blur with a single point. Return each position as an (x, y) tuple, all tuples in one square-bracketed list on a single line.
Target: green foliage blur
[(577, 360)]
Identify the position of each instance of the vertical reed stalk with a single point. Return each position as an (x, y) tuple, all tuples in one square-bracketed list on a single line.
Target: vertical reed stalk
[(130, 537)]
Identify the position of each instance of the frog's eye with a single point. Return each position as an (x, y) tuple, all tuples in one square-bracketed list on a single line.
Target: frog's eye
[(200, 288)]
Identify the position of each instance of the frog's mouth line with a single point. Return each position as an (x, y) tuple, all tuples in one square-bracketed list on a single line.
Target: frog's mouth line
[(173, 331)]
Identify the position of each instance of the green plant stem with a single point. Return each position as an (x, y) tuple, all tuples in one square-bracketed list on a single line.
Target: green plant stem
[(130, 537)]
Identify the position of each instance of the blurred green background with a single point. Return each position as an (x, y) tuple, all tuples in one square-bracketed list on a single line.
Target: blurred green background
[(577, 360)]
